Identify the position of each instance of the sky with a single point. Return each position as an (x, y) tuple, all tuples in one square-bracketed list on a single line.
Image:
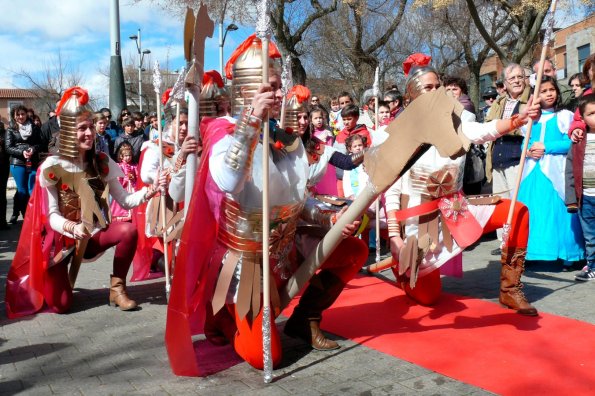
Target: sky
[(33, 32)]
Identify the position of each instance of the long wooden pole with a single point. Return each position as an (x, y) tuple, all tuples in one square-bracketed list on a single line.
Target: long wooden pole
[(377, 202), (263, 32), (162, 200), (546, 41)]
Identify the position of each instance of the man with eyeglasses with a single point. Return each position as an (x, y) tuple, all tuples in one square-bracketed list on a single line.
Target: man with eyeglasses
[(315, 101), (504, 154)]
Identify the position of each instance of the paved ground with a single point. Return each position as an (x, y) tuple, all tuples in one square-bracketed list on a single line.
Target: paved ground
[(99, 350)]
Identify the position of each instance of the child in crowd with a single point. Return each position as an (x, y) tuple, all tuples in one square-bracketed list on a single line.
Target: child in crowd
[(335, 115), (128, 181), (379, 135), (103, 141), (319, 128), (353, 183), (350, 116), (354, 180), (542, 187), (580, 183)]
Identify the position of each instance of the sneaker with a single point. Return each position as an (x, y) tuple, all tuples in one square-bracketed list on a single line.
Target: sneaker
[(585, 275)]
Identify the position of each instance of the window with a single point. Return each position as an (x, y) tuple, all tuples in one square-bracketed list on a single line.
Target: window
[(583, 53)]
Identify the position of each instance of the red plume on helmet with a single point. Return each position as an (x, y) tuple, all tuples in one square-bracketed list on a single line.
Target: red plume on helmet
[(273, 53), (415, 60), (165, 96), (212, 77), (83, 97), (300, 92)]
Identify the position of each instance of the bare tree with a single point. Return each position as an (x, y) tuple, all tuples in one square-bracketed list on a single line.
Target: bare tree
[(49, 83), (290, 23), (526, 16)]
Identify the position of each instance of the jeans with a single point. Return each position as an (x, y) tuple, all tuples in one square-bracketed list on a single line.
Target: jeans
[(587, 219), (24, 178), (4, 171)]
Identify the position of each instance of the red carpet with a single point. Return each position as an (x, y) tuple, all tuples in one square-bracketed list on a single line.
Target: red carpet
[(473, 341)]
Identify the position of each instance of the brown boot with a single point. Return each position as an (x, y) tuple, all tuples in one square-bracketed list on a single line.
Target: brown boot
[(118, 296), (511, 295), (304, 323), (309, 331)]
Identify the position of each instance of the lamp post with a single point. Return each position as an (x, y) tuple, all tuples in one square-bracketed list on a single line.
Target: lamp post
[(231, 27), (141, 55)]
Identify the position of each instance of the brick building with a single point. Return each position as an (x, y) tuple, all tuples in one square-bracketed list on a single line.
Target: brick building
[(11, 97), (571, 46)]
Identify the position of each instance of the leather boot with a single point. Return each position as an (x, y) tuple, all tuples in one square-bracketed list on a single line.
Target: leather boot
[(16, 209), (118, 296), (511, 295), (220, 329), (304, 323)]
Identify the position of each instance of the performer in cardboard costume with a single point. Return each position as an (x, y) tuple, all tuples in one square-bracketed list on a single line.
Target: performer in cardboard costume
[(430, 220), (216, 288), (69, 219)]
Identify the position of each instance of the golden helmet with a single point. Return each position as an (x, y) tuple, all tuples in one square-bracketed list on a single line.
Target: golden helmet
[(71, 106)]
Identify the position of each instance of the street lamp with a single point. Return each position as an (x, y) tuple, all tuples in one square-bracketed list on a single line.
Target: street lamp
[(230, 28), (141, 55)]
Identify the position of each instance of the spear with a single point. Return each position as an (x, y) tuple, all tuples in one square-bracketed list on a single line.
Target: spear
[(196, 30), (287, 82), (157, 88), (376, 89), (177, 95), (263, 31), (547, 38)]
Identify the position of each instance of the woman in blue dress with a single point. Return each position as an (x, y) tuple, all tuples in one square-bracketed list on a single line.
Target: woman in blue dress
[(554, 234)]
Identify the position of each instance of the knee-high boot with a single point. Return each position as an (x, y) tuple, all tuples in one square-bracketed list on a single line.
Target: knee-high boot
[(304, 323), (511, 295), (16, 208)]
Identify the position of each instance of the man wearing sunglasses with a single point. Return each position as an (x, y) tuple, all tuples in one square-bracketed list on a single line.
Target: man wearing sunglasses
[(489, 97)]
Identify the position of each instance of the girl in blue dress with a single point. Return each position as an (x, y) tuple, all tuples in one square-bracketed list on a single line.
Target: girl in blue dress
[(554, 234)]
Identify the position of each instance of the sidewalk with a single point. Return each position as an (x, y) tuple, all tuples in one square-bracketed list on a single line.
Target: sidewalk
[(98, 350)]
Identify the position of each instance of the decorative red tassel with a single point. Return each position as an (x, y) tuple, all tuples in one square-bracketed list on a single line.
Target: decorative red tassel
[(300, 92), (273, 53), (415, 60), (81, 93)]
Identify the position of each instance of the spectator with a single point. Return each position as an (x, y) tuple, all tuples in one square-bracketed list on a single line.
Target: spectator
[(578, 126), (130, 172), (395, 101), (123, 114), (367, 116), (23, 144), (504, 154), (335, 115), (104, 142), (542, 188), (489, 96), (579, 181), (315, 101), (135, 138), (550, 70), (50, 132), (152, 130), (500, 88), (458, 88), (4, 171), (112, 128), (577, 85)]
